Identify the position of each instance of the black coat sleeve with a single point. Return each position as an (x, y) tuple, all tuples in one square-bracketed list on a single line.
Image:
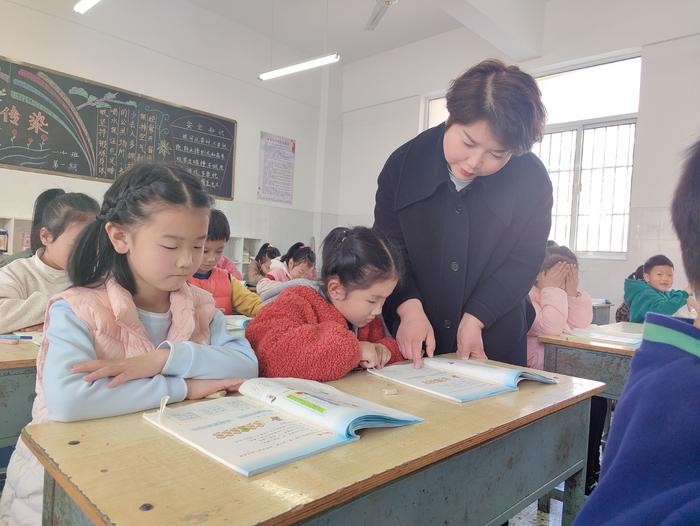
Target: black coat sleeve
[(386, 220), (500, 292)]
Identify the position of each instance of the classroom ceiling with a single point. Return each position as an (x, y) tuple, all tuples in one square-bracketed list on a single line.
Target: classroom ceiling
[(302, 24)]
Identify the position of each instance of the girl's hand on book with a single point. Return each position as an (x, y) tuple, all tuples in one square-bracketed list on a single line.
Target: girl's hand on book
[(369, 357), (146, 365), (470, 345), (383, 355), (414, 329), (197, 388)]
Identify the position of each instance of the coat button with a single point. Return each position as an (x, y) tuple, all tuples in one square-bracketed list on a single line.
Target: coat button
[(447, 324), (458, 210), (454, 266)]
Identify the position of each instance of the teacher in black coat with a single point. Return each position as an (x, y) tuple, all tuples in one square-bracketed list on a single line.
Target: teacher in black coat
[(470, 208)]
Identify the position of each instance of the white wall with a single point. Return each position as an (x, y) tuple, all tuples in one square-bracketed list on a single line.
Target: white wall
[(389, 88), (181, 54)]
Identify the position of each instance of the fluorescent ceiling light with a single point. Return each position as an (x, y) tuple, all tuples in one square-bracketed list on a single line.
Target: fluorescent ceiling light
[(301, 66), (84, 5)]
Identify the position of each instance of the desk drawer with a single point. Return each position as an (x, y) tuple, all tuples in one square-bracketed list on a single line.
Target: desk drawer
[(613, 369)]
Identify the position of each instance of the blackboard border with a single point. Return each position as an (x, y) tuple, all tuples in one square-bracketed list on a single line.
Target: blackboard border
[(120, 90)]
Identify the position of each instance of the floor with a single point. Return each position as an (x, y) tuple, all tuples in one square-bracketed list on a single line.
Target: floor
[(531, 517)]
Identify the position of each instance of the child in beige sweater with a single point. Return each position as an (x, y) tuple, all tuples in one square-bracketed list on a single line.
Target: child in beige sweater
[(27, 284)]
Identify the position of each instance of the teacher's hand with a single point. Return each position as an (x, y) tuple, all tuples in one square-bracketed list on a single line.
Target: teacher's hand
[(414, 329), (470, 345)]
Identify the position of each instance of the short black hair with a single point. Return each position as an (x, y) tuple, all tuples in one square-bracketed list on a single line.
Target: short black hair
[(299, 253), (554, 254), (218, 226), (685, 212), (267, 251), (55, 210), (359, 257), (656, 261), (506, 97)]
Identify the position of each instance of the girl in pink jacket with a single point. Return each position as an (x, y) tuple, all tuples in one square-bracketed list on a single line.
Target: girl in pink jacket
[(559, 304)]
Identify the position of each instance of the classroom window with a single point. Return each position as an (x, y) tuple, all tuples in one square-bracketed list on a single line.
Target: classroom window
[(591, 171), (588, 150)]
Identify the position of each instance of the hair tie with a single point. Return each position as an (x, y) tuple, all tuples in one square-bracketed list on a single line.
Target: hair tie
[(107, 216)]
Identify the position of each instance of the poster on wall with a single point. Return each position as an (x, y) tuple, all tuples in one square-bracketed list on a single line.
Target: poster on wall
[(276, 171)]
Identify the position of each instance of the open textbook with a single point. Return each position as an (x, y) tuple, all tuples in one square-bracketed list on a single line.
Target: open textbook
[(459, 380), (276, 421), (623, 333)]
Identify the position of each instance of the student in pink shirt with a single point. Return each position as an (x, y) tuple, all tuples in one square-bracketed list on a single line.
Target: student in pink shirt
[(560, 305), (558, 302)]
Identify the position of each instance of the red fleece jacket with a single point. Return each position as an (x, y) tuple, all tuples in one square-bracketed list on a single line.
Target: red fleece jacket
[(301, 335)]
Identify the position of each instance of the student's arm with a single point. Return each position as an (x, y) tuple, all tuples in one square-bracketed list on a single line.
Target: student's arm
[(500, 293), (244, 301), (265, 284), (377, 334), (68, 397), (253, 274), (289, 341), (550, 313), (226, 356), (580, 310), (19, 308), (666, 305)]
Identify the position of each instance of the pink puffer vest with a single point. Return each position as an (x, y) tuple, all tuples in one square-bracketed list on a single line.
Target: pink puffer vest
[(111, 315)]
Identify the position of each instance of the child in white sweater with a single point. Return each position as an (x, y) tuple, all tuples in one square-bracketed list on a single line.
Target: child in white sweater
[(27, 284)]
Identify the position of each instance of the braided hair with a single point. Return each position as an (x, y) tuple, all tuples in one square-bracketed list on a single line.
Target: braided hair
[(127, 202)]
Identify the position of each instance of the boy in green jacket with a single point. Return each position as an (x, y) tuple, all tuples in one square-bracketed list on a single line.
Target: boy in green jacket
[(653, 293)]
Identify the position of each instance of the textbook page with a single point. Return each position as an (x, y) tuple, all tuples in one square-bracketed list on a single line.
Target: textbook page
[(459, 380), (244, 434), (323, 405)]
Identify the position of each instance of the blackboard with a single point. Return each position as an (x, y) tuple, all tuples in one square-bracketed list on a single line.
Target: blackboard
[(56, 123)]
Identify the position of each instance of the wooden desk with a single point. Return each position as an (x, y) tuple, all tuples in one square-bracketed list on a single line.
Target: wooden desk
[(17, 379), (475, 463), (593, 358)]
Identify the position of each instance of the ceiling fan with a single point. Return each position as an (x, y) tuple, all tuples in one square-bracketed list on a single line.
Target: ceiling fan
[(380, 8)]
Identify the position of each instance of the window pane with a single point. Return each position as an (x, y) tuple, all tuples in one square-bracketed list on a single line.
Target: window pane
[(598, 91), (557, 152), (606, 177), (437, 111)]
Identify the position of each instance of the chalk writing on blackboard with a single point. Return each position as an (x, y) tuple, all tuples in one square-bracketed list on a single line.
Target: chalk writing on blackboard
[(56, 123)]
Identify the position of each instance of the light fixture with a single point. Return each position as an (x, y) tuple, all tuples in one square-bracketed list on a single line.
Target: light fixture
[(378, 12), (301, 66), (84, 5)]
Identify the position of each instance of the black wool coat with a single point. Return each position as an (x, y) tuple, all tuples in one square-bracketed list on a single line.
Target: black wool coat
[(475, 251)]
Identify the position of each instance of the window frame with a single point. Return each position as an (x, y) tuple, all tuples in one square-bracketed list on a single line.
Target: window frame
[(580, 127)]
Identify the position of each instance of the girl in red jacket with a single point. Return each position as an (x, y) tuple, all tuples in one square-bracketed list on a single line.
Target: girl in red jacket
[(323, 334)]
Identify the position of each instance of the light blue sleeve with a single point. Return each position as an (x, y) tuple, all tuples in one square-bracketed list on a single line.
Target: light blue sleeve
[(68, 397), (227, 356)]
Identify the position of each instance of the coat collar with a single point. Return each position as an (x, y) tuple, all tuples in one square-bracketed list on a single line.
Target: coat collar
[(126, 313), (425, 169)]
